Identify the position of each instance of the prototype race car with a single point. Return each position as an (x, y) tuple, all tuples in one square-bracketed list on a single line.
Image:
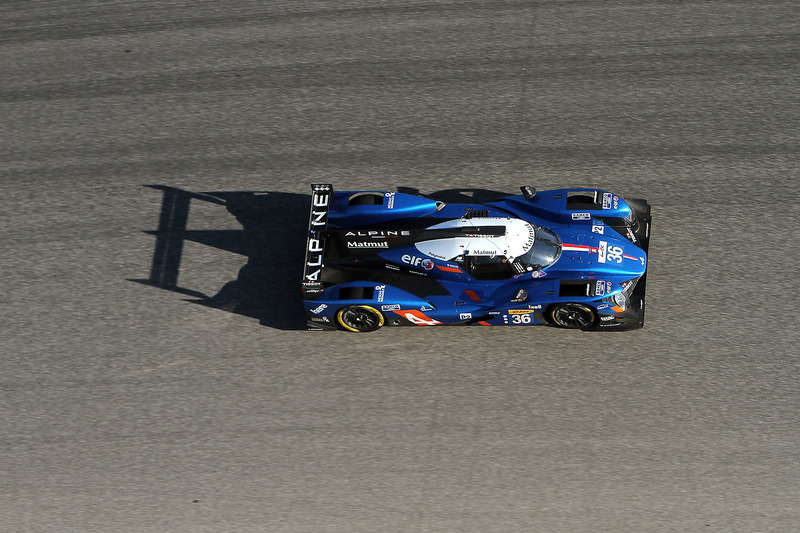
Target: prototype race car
[(572, 258)]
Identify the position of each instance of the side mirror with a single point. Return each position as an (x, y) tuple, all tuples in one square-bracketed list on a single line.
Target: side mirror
[(528, 191)]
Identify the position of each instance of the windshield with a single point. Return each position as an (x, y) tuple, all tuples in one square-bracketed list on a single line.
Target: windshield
[(544, 252)]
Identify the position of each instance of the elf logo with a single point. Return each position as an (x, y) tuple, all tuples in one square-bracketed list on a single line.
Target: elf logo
[(415, 261)]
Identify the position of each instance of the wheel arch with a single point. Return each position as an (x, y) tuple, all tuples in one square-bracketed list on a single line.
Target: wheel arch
[(551, 320), (359, 318)]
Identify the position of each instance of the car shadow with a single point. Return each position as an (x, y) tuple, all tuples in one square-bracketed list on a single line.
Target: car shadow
[(272, 238)]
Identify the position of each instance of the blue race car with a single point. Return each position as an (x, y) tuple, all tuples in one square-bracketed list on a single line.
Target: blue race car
[(572, 258)]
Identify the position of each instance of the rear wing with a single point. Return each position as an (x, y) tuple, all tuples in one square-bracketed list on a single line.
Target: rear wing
[(321, 198)]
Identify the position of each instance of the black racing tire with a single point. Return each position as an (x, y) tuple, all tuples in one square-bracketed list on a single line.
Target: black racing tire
[(359, 318), (573, 316)]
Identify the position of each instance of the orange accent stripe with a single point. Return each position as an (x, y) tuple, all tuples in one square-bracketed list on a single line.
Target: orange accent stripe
[(484, 323), (617, 309), (472, 295), (417, 317), (448, 269)]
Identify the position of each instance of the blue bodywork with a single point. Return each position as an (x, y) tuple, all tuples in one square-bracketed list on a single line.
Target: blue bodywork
[(524, 259)]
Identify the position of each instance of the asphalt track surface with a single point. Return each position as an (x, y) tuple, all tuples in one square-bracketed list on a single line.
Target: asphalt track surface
[(155, 165)]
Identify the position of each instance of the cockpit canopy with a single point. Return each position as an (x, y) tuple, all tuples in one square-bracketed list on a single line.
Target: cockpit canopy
[(493, 247)]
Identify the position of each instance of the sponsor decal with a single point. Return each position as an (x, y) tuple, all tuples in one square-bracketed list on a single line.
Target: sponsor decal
[(320, 308), (465, 316), (381, 291), (605, 253), (389, 200), (616, 202), (600, 288), (607, 318), (534, 275), (367, 244), (312, 288), (377, 233), (603, 306), (602, 248), (320, 203), (598, 229), (320, 319), (608, 286), (392, 267), (320, 200), (314, 259), (421, 262), (390, 307), (581, 216), (520, 311), (535, 307), (641, 259), (607, 200), (531, 237)]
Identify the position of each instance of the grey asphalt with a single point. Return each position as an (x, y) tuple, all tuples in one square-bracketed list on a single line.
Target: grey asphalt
[(155, 162)]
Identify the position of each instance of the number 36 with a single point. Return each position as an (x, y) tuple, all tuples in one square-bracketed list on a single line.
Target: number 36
[(615, 254)]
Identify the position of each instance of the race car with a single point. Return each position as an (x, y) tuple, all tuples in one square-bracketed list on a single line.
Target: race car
[(571, 258)]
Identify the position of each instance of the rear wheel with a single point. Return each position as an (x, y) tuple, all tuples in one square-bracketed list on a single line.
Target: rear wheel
[(573, 316), (359, 318)]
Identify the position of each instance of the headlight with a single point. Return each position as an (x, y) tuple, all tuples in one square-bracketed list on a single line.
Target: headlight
[(622, 299)]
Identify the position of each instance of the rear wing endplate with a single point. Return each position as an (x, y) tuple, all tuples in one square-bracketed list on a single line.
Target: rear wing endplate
[(321, 198)]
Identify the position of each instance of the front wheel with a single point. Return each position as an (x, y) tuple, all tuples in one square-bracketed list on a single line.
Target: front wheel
[(359, 318), (573, 316)]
